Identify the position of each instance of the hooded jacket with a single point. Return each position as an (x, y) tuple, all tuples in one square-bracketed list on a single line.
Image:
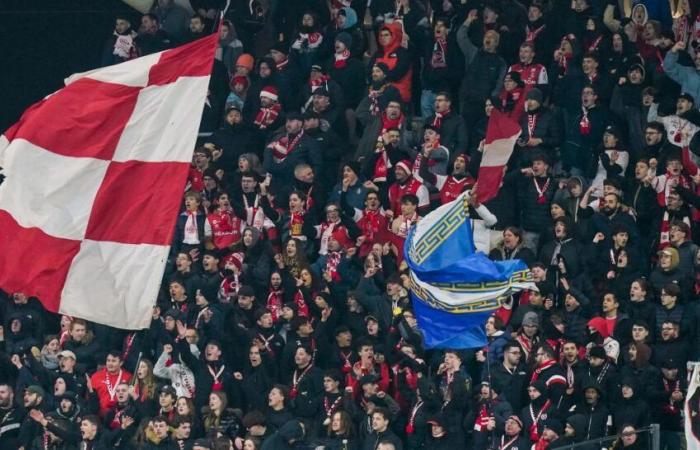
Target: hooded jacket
[(633, 410), (397, 59)]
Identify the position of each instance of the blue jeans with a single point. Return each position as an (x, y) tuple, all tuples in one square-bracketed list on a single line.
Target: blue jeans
[(427, 103)]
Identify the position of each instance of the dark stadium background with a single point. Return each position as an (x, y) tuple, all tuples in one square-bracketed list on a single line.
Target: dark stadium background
[(43, 41)]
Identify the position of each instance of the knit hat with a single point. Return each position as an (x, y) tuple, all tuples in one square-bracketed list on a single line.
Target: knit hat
[(540, 386), (638, 67), (517, 420), (234, 258), (686, 96), (600, 325), (345, 38), (294, 115), (437, 420), (246, 60), (36, 389), (531, 319), (354, 166), (204, 443), (597, 351), (240, 79), (246, 291), (269, 92), (317, 68), (172, 312), (404, 165), (340, 235), (554, 425), (613, 131), (382, 66), (534, 94)]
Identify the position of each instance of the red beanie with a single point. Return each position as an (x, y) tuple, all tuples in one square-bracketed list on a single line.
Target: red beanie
[(269, 92)]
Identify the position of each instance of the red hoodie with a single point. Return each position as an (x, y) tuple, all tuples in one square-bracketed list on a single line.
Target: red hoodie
[(390, 57)]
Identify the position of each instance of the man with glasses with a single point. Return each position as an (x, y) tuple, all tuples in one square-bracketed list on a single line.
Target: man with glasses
[(670, 344), (551, 373), (670, 310), (335, 224), (511, 375)]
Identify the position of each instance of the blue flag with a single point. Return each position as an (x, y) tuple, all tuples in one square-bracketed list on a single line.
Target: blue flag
[(453, 289)]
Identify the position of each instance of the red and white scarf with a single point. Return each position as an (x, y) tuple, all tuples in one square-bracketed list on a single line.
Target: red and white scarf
[(267, 116), (531, 35), (584, 125), (437, 121), (255, 216), (382, 165), (341, 59), (282, 147), (275, 300), (332, 263)]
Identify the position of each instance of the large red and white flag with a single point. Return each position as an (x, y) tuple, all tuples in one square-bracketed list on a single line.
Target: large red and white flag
[(501, 134), (94, 180)]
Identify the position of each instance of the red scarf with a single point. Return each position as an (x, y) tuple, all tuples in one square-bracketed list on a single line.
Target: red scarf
[(542, 367), (382, 165), (437, 121), (318, 82), (332, 263), (282, 65), (584, 126), (302, 307), (531, 35), (482, 419), (541, 191), (439, 57), (534, 432), (282, 147), (341, 59), (267, 116), (275, 300)]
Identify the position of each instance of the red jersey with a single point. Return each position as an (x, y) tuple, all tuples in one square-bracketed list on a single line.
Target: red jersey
[(453, 188), (196, 179), (374, 228), (531, 74), (225, 228), (105, 386), (412, 186)]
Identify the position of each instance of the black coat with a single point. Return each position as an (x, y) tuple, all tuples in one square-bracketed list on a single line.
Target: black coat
[(547, 127), (306, 151)]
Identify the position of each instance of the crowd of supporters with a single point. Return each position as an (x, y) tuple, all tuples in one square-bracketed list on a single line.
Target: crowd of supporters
[(331, 127)]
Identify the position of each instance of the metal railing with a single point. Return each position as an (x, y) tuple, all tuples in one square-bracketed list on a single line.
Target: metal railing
[(651, 434)]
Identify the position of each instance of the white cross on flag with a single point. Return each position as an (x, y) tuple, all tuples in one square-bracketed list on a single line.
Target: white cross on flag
[(94, 180)]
